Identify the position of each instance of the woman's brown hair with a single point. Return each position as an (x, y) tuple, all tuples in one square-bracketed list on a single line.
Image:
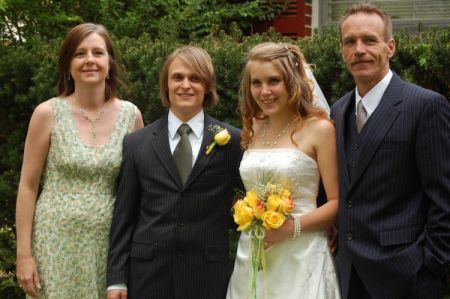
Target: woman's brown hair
[(66, 85)]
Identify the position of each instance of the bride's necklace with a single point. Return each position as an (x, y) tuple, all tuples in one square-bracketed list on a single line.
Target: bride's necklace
[(93, 121), (274, 142)]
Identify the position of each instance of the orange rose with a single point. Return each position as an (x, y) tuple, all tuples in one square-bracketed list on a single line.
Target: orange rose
[(258, 210), (286, 205)]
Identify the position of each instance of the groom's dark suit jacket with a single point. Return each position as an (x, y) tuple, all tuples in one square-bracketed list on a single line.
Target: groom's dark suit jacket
[(168, 240), (394, 210)]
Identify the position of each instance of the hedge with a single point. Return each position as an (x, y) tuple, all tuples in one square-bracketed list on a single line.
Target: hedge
[(28, 77)]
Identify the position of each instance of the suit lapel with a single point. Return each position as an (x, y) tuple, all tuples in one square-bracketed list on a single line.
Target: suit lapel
[(340, 118), (202, 158), (161, 147), (378, 125)]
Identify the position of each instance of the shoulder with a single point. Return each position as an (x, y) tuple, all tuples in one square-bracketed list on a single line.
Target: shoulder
[(418, 93), (411, 93), (421, 103), (342, 100), (127, 105), (44, 111), (144, 133), (319, 126), (338, 106), (133, 114), (42, 119)]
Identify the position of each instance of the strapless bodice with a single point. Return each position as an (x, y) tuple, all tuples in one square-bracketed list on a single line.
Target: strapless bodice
[(290, 167)]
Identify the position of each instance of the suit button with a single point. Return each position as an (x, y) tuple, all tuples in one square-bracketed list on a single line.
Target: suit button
[(354, 164), (356, 146), (180, 224), (349, 204), (349, 237)]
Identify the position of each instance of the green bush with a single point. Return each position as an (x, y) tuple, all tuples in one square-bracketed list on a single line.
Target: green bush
[(28, 77)]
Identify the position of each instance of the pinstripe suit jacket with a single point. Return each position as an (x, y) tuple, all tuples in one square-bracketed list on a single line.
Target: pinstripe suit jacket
[(168, 240), (394, 213)]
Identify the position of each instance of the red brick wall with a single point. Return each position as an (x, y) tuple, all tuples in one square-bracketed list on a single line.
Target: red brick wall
[(295, 22)]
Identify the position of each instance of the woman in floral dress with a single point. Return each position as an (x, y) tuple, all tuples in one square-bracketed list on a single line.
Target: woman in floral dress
[(74, 143)]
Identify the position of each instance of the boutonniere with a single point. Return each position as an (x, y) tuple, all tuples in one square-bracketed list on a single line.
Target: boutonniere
[(221, 137)]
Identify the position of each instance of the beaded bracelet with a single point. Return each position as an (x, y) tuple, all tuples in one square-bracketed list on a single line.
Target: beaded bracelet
[(297, 227)]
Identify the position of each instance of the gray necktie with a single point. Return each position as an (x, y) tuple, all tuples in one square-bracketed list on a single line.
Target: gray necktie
[(183, 153), (361, 116)]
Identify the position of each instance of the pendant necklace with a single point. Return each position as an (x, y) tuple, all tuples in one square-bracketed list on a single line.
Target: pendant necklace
[(275, 142), (93, 121)]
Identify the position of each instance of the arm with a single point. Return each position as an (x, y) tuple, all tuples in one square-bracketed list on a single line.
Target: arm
[(325, 148), (119, 291), (138, 121), (35, 154), (125, 213), (323, 217), (432, 150)]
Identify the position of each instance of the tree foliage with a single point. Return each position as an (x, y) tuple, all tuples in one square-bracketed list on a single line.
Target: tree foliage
[(20, 20)]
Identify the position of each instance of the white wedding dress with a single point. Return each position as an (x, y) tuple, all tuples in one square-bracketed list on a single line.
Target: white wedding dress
[(302, 268)]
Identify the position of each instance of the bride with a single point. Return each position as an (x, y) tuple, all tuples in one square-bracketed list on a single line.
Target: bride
[(286, 131)]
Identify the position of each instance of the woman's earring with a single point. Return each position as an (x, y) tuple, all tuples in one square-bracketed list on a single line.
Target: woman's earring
[(69, 77), (107, 76)]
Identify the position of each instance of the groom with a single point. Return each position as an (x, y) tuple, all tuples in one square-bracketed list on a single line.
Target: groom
[(393, 140), (169, 233)]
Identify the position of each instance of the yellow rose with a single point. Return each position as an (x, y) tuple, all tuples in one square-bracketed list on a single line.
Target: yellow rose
[(251, 198), (272, 220), (286, 193), (286, 205), (243, 215), (273, 202), (220, 138), (223, 137)]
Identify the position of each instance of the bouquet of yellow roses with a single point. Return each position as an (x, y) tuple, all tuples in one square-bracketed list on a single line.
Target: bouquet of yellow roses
[(265, 207)]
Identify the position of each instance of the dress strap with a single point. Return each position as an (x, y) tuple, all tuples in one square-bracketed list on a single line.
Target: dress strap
[(60, 111), (129, 114)]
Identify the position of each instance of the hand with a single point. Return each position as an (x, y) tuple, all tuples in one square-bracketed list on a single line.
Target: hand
[(274, 236), (332, 234), (27, 275), (117, 294)]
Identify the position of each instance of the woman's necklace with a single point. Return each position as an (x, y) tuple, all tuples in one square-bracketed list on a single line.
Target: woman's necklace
[(273, 143), (93, 121)]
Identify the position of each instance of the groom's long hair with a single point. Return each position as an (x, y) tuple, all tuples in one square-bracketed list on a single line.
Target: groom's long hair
[(199, 61)]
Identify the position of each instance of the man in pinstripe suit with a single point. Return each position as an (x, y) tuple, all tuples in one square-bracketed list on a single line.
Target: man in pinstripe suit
[(169, 237), (394, 213)]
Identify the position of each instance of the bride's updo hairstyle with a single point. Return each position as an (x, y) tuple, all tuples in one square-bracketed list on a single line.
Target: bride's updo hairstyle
[(289, 61)]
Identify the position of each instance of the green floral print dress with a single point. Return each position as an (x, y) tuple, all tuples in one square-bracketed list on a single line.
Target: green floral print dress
[(74, 210)]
